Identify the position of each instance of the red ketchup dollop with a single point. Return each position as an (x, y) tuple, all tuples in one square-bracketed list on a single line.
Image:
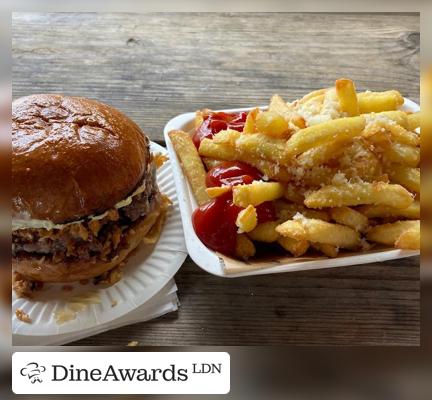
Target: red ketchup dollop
[(218, 121), (214, 222)]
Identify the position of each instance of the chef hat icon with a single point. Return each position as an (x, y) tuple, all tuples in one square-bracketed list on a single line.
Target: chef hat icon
[(32, 371)]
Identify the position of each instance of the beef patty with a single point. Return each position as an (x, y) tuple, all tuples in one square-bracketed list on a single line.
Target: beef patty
[(98, 239)]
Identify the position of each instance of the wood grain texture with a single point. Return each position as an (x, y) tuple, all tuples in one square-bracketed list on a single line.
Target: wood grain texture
[(155, 66)]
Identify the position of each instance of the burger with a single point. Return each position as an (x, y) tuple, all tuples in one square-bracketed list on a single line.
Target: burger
[(84, 189)]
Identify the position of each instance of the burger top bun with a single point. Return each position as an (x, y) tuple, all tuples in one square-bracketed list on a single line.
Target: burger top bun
[(72, 157)]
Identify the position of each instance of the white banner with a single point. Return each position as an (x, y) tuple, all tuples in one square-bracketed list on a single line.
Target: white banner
[(120, 373)]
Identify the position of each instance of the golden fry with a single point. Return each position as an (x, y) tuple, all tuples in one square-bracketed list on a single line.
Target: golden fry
[(353, 194), (327, 249), (245, 248), (272, 124), (405, 176), (373, 211), (257, 193), (217, 191), (191, 164), (413, 121), (347, 96), (410, 239), (338, 130), (315, 230), (296, 247), (350, 217), (247, 219), (402, 154), (265, 232), (390, 233), (379, 101)]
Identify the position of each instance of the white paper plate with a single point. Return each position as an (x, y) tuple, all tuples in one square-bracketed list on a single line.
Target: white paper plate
[(148, 270), (211, 262)]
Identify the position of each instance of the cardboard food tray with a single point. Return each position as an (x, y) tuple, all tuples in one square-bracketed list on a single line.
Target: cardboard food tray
[(221, 265)]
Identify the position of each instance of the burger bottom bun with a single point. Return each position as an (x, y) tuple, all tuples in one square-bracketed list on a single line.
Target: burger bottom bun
[(148, 230)]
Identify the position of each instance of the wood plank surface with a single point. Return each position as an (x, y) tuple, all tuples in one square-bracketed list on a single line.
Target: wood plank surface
[(155, 66)]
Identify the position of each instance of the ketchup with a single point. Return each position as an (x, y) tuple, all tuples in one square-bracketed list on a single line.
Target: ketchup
[(230, 173), (215, 122), (214, 222)]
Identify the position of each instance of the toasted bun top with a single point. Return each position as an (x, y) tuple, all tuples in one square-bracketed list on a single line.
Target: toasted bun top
[(72, 157)]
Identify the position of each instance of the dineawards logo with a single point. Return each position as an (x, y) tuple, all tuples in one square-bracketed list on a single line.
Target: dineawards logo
[(33, 371), (121, 373)]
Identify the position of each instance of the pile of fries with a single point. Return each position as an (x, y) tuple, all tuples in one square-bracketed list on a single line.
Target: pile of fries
[(341, 167)]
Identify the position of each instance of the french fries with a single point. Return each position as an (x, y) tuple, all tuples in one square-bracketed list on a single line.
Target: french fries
[(406, 176), (272, 124), (413, 121), (265, 232), (350, 217), (410, 239), (347, 96), (315, 230), (191, 164), (390, 233), (249, 126), (353, 194), (245, 248), (256, 193), (402, 154), (373, 211), (217, 191), (327, 249), (334, 164), (247, 219), (296, 247), (379, 101), (337, 130)]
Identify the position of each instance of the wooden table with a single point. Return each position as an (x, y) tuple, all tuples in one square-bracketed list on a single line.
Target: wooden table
[(156, 66)]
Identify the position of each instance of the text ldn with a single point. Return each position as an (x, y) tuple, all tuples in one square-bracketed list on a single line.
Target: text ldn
[(72, 374)]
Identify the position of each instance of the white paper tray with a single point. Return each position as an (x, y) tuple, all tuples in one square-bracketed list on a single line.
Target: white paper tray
[(213, 263)]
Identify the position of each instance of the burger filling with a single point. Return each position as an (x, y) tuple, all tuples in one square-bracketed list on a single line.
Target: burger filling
[(91, 238)]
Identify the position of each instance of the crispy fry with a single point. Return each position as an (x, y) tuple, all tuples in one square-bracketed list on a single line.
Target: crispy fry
[(347, 96), (191, 164), (225, 152), (262, 146), (413, 121), (390, 233), (321, 154), (350, 217), (372, 211), (245, 248), (287, 211), (294, 194), (265, 232), (257, 193), (335, 130), (405, 176), (315, 230), (247, 219), (296, 247), (379, 101), (402, 154), (327, 249), (249, 126), (210, 162), (401, 135), (272, 124), (217, 191), (353, 194), (410, 239)]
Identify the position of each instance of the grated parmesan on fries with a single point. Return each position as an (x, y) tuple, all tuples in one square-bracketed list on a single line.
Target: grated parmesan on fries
[(340, 167)]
